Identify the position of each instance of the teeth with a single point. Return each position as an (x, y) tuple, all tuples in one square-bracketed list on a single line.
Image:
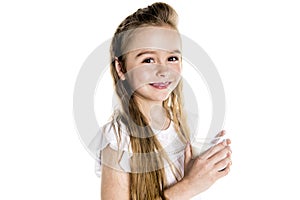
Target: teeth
[(161, 84)]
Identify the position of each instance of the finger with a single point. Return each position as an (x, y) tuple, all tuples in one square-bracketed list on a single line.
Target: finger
[(220, 136), (220, 155), (214, 150), (228, 141), (187, 154), (221, 133), (220, 166), (222, 173)]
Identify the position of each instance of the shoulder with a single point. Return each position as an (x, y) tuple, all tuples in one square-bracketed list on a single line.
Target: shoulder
[(111, 147), (112, 134)]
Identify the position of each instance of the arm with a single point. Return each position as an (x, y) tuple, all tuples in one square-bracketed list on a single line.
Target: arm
[(199, 175), (114, 181), (201, 172), (114, 185)]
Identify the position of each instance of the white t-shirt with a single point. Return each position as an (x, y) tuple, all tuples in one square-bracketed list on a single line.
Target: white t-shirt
[(107, 137)]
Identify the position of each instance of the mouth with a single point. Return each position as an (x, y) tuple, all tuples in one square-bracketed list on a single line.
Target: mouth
[(161, 85)]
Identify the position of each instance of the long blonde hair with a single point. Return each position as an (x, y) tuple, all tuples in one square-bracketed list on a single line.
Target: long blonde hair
[(152, 183)]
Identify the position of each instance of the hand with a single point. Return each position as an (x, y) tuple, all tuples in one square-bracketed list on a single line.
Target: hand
[(200, 173)]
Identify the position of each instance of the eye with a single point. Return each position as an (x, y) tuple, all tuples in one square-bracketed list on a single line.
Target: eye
[(173, 59), (148, 60)]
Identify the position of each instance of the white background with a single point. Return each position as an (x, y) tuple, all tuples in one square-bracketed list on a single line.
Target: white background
[(254, 44)]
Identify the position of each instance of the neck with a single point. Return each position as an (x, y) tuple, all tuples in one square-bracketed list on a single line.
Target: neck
[(154, 112)]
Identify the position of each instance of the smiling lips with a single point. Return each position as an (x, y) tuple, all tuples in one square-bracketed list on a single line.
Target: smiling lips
[(161, 85)]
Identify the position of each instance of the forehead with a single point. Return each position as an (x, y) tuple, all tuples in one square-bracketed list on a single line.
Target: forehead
[(162, 38)]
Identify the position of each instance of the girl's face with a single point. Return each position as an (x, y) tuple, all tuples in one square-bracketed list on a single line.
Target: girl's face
[(153, 62)]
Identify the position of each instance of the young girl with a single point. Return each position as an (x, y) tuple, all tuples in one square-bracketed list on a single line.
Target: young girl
[(145, 150)]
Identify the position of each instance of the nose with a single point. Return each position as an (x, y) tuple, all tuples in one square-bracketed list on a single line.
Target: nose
[(163, 71)]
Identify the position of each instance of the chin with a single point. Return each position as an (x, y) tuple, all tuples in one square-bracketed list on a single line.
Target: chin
[(160, 97)]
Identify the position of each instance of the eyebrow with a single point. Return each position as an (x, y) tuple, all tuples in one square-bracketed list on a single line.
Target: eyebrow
[(153, 52)]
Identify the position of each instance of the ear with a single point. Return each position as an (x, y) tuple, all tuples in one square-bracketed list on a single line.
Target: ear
[(119, 69)]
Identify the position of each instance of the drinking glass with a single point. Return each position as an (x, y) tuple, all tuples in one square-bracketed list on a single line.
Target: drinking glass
[(201, 145)]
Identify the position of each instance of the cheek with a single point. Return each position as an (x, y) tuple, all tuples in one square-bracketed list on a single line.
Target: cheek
[(176, 70), (139, 77)]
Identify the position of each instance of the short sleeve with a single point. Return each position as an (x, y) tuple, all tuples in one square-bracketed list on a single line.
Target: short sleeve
[(111, 147)]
